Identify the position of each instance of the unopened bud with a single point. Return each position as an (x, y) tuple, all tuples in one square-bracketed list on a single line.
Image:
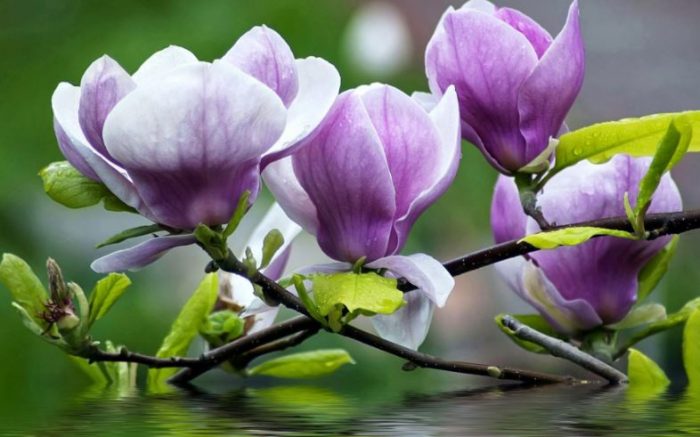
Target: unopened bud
[(57, 286), (68, 322)]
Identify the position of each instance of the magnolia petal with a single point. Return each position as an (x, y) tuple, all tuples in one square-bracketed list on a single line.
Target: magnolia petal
[(410, 142), (548, 94), (319, 83), (262, 53), (536, 34), (192, 141), (487, 61), (325, 268), (343, 167), (421, 270), (162, 62), (274, 218), (140, 255), (87, 160), (480, 5), (103, 85), (284, 185), (410, 324), (530, 283), (508, 220), (427, 101), (445, 118)]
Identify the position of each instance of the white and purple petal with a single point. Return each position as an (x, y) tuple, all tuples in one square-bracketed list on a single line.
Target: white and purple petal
[(140, 255), (262, 53), (410, 324), (192, 141)]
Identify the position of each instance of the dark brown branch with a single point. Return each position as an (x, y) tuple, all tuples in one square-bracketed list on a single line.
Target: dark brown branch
[(244, 359), (276, 292), (126, 356)]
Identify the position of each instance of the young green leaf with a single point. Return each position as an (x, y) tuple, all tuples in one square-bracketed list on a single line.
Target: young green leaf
[(535, 322), (691, 349), (26, 289), (92, 371), (571, 236), (670, 149), (644, 372), (106, 292), (672, 320), (655, 269), (641, 315), (271, 244), (186, 326), (238, 214), (67, 186), (304, 364), (365, 291), (222, 327), (138, 231), (633, 136)]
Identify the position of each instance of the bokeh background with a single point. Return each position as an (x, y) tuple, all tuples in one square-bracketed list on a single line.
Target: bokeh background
[(642, 57)]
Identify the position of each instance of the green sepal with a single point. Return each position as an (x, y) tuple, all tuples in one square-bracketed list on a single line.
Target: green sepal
[(572, 236), (534, 321), (105, 294), (212, 241), (304, 364), (67, 186), (186, 326)]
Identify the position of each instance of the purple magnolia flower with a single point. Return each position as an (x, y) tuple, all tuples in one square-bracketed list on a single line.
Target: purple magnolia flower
[(360, 181), (515, 83), (180, 140), (581, 287)]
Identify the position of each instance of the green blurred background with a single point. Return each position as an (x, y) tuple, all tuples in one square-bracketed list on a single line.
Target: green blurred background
[(642, 58)]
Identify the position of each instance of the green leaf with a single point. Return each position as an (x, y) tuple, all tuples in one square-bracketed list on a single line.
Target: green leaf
[(138, 231), (670, 150), (238, 214), (535, 322), (186, 326), (691, 349), (67, 186), (271, 244), (222, 327), (655, 269), (571, 236), (633, 136), (641, 315), (26, 289), (644, 372), (669, 322), (366, 291), (106, 292), (304, 364)]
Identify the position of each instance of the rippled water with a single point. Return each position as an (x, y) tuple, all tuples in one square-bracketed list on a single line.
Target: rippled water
[(310, 410)]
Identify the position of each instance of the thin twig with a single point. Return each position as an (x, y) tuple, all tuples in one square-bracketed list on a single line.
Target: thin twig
[(245, 358), (564, 350), (215, 357), (126, 356)]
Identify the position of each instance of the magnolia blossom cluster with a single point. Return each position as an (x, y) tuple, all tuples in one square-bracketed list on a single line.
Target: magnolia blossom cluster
[(182, 140)]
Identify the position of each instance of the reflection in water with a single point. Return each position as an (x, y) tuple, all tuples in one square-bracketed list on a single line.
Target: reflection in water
[(311, 410)]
